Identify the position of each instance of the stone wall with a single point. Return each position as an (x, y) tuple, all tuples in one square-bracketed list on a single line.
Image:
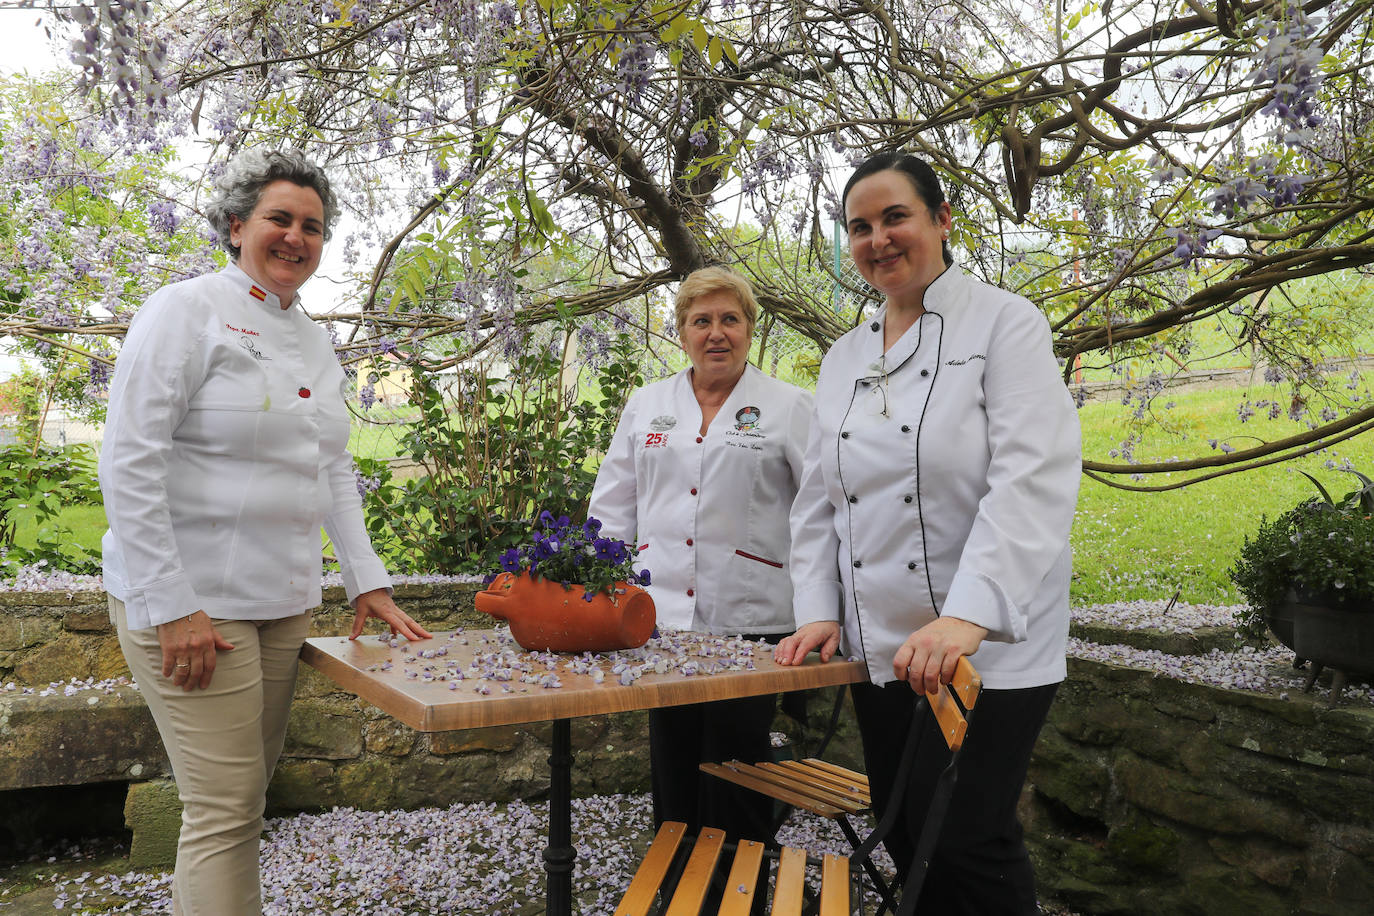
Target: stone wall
[(57, 636), (1149, 795), (339, 750)]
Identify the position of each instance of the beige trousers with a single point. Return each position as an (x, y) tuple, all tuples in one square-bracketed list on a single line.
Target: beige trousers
[(223, 743)]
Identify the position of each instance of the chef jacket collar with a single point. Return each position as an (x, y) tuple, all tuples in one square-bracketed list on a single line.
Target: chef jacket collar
[(254, 289), (741, 392), (939, 296)]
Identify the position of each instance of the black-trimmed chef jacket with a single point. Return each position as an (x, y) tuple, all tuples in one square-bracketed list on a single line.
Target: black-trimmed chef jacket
[(941, 478)]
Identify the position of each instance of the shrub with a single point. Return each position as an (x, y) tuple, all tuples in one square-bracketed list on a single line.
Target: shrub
[(1321, 551), (493, 453), (36, 483)]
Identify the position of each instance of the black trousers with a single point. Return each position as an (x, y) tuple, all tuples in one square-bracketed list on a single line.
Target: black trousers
[(681, 737), (980, 866)]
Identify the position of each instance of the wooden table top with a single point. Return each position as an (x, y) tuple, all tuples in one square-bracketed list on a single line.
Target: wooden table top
[(479, 678)]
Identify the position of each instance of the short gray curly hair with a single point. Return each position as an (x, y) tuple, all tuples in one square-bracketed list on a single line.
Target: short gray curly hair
[(239, 189)]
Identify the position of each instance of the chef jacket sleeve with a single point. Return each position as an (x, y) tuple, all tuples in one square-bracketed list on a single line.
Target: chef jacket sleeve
[(160, 366), (615, 494), (363, 571), (798, 431), (1022, 523), (816, 590)]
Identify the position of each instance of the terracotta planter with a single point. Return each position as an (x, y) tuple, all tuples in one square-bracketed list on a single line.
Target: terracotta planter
[(544, 616)]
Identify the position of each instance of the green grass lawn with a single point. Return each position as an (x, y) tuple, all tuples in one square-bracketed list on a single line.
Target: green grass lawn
[(86, 522), (1147, 545), (1130, 545)]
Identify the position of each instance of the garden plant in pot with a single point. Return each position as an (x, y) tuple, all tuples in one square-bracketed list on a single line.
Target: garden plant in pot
[(567, 589), (1309, 577)]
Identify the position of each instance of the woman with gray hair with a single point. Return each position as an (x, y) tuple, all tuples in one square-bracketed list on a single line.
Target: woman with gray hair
[(225, 452)]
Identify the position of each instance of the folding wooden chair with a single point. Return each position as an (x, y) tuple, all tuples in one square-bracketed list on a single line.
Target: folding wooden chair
[(681, 886), (838, 793)]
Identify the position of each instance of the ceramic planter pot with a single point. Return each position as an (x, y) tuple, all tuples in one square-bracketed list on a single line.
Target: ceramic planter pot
[(1280, 622), (1336, 637), (544, 616)]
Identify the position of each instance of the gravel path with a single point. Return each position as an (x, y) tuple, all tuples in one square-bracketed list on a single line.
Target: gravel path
[(479, 859)]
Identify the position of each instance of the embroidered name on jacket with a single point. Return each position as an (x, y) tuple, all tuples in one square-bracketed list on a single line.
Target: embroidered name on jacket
[(960, 362)]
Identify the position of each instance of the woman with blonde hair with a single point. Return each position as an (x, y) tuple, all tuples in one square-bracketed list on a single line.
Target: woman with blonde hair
[(701, 475)]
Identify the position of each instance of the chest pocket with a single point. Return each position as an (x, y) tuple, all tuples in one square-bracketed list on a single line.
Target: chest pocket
[(236, 378)]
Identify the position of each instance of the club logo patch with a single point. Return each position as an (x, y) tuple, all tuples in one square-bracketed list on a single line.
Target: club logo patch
[(747, 418)]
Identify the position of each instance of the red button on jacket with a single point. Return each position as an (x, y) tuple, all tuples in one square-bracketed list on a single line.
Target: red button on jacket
[(304, 392)]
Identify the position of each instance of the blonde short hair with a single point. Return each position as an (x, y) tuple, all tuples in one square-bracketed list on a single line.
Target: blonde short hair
[(711, 280)]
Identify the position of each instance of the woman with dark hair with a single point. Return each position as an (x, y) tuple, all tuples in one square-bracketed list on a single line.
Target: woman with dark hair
[(932, 522), (225, 452)]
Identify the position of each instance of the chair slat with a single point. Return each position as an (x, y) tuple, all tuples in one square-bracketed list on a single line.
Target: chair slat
[(645, 884), (742, 884), (807, 784), (834, 886), (696, 877), (788, 886), (751, 778), (826, 775), (844, 773), (950, 717), (967, 682), (825, 782)]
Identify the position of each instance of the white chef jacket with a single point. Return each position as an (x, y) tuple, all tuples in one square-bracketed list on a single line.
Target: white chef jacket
[(956, 502), (709, 513), (225, 451)]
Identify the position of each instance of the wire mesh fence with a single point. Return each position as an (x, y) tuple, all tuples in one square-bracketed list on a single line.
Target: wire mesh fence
[(778, 350)]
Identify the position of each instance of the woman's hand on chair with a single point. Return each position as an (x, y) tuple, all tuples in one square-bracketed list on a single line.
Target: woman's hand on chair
[(822, 634), (928, 657)]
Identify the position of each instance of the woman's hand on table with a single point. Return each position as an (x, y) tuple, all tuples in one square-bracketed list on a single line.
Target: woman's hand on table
[(377, 603), (928, 657), (822, 634), (188, 646)]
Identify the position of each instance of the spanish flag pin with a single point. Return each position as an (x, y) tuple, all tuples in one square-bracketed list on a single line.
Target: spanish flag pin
[(258, 294)]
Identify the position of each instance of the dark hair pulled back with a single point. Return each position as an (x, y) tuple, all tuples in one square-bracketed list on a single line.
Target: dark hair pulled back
[(916, 170)]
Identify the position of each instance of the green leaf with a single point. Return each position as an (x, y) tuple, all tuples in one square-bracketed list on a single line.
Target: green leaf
[(700, 38), (676, 28), (730, 52), (1321, 489)]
